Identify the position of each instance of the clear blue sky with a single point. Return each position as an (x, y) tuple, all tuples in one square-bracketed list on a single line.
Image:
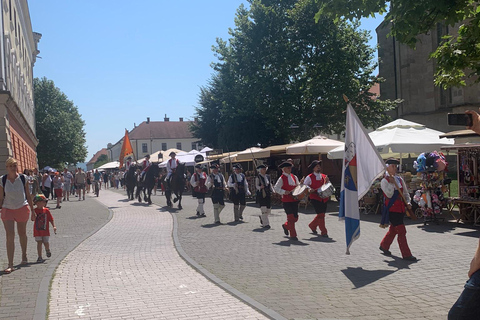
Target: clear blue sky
[(123, 61)]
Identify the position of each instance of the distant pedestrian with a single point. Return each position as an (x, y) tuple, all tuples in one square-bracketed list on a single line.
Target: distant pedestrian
[(15, 200), (238, 190), (88, 176), (198, 180), (46, 184), (285, 186), (58, 188), (80, 179), (43, 218), (67, 184), (216, 181), (264, 188)]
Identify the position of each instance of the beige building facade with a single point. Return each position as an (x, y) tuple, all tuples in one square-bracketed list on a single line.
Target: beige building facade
[(18, 52), (409, 74), (152, 136)]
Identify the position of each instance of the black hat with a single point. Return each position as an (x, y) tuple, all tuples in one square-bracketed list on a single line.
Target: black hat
[(237, 166), (313, 164), (172, 153), (392, 161), (213, 166), (262, 166), (285, 164), (147, 156), (198, 166)]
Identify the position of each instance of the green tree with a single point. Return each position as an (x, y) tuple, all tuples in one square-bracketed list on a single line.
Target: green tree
[(102, 159), (410, 18), (280, 68), (59, 126)]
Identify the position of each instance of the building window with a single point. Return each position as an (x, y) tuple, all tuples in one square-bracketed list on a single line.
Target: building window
[(144, 148), (194, 146), (179, 145), (164, 146)]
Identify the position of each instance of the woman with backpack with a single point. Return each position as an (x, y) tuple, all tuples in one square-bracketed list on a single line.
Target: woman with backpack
[(15, 201)]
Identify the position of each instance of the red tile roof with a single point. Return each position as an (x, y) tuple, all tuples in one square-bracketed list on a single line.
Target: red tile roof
[(161, 130), (98, 154)]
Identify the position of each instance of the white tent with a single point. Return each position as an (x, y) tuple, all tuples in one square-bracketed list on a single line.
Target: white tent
[(251, 153), (185, 157), (206, 149), (316, 145), (401, 137), (109, 165)]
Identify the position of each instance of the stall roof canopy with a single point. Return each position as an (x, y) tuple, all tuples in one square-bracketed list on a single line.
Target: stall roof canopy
[(402, 137), (109, 165), (316, 145)]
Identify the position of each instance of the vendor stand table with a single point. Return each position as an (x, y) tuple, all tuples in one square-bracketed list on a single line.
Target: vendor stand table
[(469, 210)]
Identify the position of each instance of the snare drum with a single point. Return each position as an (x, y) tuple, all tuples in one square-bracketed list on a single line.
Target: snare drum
[(300, 192), (327, 190)]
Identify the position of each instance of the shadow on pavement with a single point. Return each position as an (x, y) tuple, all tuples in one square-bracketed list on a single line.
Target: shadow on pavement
[(260, 229), (473, 234), (399, 263), (361, 278), (212, 225), (195, 217), (234, 223), (168, 209), (437, 228), (319, 238), (140, 204), (124, 200), (288, 243)]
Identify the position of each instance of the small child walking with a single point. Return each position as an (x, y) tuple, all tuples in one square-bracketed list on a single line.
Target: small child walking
[(41, 230)]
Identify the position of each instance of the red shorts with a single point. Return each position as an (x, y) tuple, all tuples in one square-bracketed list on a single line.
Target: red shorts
[(58, 192), (19, 215)]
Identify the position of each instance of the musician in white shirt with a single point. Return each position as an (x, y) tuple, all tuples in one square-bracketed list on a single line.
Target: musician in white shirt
[(237, 182), (285, 186), (216, 181), (264, 189)]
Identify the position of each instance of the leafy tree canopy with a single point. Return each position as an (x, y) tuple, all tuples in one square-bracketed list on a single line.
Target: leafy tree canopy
[(102, 159), (281, 69), (59, 126), (410, 18)]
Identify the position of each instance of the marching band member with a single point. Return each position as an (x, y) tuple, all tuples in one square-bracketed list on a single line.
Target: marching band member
[(237, 182), (198, 181), (314, 181), (216, 181), (263, 186), (395, 208), (284, 186)]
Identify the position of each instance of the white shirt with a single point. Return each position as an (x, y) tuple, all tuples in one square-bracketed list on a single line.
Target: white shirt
[(278, 186), (201, 175), (308, 181), (171, 164), (14, 194), (219, 177), (266, 179), (239, 177), (389, 188)]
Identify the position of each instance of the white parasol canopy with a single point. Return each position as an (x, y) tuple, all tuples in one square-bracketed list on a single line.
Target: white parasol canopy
[(206, 149), (109, 165), (251, 153), (401, 137), (316, 145)]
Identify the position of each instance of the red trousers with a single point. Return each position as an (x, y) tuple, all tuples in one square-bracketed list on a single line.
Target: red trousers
[(401, 232), (319, 221), (290, 224)]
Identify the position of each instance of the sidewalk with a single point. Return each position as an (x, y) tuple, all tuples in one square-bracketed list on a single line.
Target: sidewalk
[(130, 269), (24, 292)]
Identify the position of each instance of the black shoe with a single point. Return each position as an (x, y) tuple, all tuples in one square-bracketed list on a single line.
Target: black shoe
[(40, 260), (203, 215), (411, 258), (198, 213), (385, 252), (218, 222), (49, 253), (314, 231), (285, 230), (325, 235), (266, 227), (294, 238), (241, 217), (237, 220)]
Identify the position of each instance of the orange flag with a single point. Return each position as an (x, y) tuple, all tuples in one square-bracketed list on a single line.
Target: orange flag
[(126, 148)]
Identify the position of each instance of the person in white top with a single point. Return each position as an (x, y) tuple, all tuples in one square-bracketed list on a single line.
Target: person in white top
[(264, 188), (216, 181), (285, 185), (172, 164), (237, 182), (314, 181), (198, 182), (15, 200)]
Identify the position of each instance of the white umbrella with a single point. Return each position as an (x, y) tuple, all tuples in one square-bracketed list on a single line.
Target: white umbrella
[(206, 149), (109, 165), (316, 145), (251, 153), (401, 137)]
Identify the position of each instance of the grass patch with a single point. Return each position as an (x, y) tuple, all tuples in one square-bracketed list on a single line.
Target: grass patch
[(454, 188)]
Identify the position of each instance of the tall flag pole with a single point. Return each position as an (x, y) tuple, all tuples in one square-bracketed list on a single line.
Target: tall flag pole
[(127, 149), (361, 166)]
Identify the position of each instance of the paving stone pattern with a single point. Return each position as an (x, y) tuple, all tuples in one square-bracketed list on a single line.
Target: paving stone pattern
[(20, 289), (130, 269), (314, 278)]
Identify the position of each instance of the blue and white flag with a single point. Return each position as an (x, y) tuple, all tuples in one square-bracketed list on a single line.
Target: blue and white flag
[(361, 166)]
